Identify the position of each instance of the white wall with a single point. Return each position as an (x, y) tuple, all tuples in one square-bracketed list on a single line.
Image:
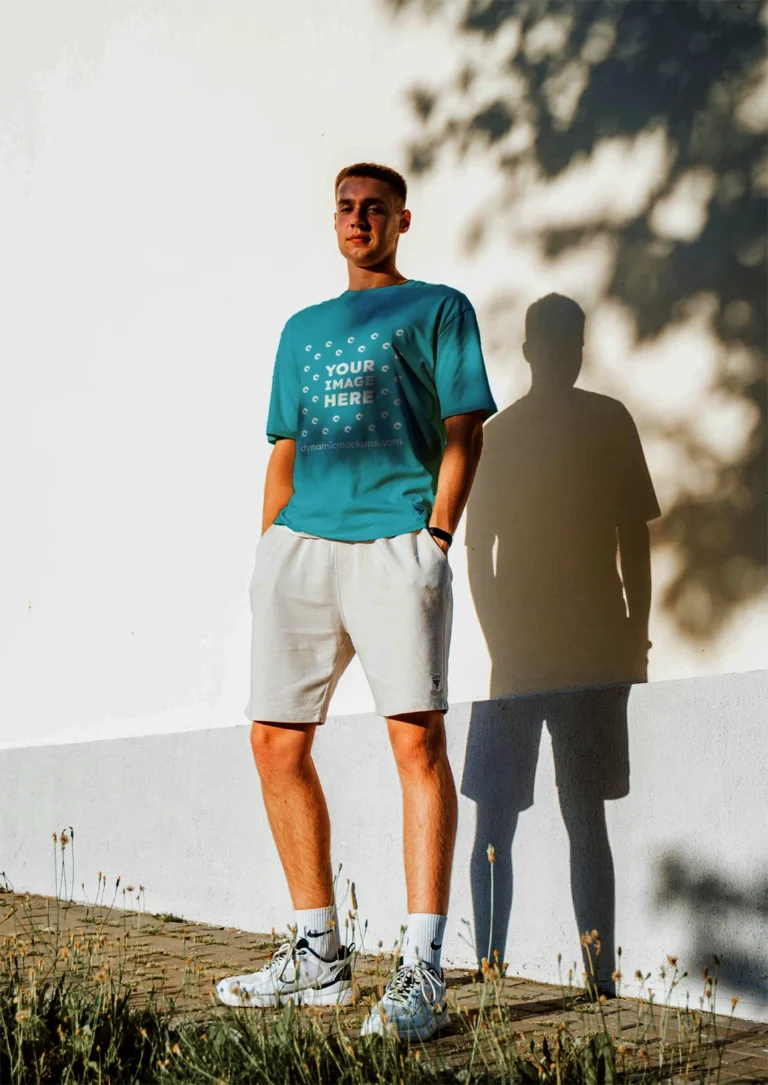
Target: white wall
[(182, 816), (167, 199), (166, 193)]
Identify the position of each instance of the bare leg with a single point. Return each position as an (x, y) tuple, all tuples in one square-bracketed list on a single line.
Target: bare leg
[(296, 809), (429, 808)]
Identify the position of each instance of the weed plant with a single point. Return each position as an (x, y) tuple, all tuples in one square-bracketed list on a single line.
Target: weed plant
[(69, 1013)]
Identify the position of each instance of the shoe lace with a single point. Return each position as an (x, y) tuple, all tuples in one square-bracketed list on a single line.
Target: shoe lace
[(279, 957), (284, 951), (407, 977)]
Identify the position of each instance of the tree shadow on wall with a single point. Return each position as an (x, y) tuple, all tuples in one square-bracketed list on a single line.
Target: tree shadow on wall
[(544, 87), (718, 915), (561, 490)]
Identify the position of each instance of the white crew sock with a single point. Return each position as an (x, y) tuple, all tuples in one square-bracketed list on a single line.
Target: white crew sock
[(424, 939), (320, 927)]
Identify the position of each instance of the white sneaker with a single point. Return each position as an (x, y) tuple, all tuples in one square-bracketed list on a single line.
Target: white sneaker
[(295, 974), (413, 1006)]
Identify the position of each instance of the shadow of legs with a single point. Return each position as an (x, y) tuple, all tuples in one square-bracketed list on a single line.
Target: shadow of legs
[(491, 830), (592, 881)]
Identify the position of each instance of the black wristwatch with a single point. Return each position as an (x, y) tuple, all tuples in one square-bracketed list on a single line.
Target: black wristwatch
[(438, 533)]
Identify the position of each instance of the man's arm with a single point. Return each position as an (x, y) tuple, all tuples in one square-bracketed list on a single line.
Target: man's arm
[(464, 443), (278, 486), (635, 555)]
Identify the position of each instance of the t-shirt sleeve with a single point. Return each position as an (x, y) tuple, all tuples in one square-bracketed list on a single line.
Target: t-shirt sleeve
[(282, 419), (460, 376), (635, 493)]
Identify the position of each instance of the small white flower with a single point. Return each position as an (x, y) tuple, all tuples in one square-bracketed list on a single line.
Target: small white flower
[(361, 350), (308, 346), (338, 353), (325, 430), (396, 402), (347, 429), (385, 414), (385, 346), (385, 369), (316, 377), (306, 369), (335, 418), (304, 432), (385, 391), (305, 390), (303, 410), (375, 335), (397, 425), (318, 356), (371, 427), (397, 378), (315, 421), (399, 332), (315, 399), (359, 417), (329, 343), (351, 339)]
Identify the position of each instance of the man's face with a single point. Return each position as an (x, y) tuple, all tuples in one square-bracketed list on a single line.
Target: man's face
[(369, 219)]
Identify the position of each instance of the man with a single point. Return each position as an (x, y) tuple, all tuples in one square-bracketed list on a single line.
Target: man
[(378, 402)]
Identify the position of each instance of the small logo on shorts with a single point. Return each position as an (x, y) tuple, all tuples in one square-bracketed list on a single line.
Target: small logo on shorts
[(436, 680)]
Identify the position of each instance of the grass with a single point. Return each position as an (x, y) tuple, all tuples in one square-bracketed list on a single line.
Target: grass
[(69, 1012)]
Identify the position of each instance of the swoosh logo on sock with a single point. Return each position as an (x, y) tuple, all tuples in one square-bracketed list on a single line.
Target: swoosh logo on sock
[(317, 934)]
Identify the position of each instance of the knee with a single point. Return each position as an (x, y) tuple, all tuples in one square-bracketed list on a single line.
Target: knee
[(277, 750), (420, 750)]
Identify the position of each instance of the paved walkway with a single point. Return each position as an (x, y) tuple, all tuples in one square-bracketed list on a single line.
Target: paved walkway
[(185, 960)]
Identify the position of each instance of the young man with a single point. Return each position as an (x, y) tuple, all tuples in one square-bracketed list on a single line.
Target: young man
[(378, 402)]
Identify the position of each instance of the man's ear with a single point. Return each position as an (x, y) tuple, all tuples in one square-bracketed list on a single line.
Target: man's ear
[(405, 220), (526, 353)]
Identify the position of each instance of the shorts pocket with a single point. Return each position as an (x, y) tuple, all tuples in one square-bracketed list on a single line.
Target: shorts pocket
[(435, 561), (269, 530), (436, 545), (264, 548)]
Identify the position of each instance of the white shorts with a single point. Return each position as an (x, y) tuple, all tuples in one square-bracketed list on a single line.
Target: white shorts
[(315, 602)]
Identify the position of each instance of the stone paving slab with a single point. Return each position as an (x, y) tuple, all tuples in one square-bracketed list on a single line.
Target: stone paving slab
[(183, 961)]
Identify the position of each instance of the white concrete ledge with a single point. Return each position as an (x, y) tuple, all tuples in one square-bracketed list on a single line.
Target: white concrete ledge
[(182, 815)]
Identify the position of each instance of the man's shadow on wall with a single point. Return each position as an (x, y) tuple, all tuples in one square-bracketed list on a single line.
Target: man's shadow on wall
[(562, 489)]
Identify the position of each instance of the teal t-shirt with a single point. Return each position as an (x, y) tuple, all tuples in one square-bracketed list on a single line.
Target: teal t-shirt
[(362, 383)]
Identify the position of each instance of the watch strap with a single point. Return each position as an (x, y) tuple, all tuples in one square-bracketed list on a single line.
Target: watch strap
[(438, 533)]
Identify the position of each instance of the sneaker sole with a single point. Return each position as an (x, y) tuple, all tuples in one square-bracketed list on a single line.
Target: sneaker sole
[(423, 1032), (336, 994)]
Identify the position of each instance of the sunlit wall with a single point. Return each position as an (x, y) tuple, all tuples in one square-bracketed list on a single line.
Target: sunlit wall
[(167, 200)]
